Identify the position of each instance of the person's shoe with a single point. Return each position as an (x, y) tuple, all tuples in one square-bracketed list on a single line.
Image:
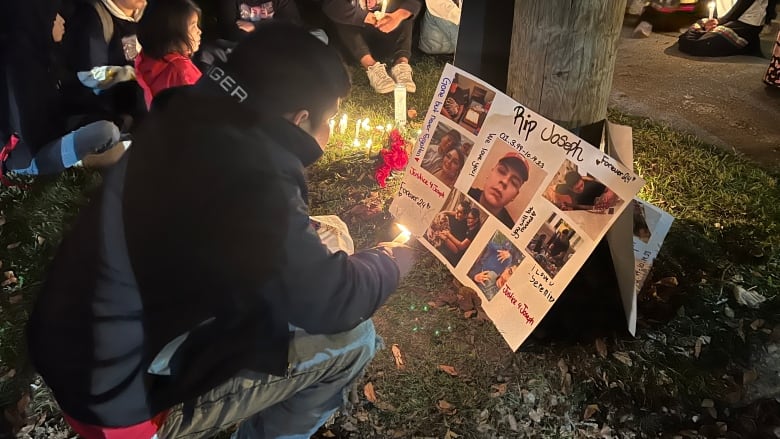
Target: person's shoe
[(379, 79), (402, 73)]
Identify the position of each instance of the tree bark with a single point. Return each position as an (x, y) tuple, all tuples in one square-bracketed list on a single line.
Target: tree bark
[(562, 57)]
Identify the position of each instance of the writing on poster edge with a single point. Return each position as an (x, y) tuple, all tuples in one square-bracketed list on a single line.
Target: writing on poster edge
[(626, 177), (431, 184), (419, 201), (522, 307)]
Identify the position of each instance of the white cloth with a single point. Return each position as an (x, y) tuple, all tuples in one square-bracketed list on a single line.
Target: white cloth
[(118, 13), (446, 9), (755, 14)]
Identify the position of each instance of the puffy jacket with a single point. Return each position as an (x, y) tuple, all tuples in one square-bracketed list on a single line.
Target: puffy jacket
[(202, 229), (155, 75)]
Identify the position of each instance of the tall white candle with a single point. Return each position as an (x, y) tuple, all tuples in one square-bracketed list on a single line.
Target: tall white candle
[(331, 125), (384, 7), (711, 6), (343, 124), (357, 129), (399, 94)]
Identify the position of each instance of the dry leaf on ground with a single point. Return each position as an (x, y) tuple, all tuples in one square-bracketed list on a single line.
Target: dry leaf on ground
[(14, 245), (446, 408), (748, 298), (670, 281), (624, 358), (449, 370), (451, 435), (590, 410), (498, 390), (697, 348), (398, 356), (601, 347), (368, 390)]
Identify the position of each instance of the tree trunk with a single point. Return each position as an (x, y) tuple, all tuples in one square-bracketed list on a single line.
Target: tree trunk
[(562, 57)]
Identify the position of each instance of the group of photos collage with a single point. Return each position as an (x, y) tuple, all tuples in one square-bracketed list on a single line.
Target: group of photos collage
[(505, 185)]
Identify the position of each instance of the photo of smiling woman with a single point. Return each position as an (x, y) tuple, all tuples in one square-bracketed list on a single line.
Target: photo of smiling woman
[(505, 183), (451, 165)]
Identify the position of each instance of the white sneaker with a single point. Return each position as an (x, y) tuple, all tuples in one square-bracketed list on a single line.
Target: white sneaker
[(379, 79), (402, 73)]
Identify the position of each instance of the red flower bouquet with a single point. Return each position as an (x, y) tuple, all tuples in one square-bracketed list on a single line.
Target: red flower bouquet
[(394, 158)]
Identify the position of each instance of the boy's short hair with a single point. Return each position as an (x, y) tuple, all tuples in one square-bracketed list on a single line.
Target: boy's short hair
[(285, 69)]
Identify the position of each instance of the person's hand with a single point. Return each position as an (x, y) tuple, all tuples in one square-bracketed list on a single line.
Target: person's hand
[(370, 19), (503, 255), (482, 277), (403, 255), (451, 107), (710, 24), (245, 26), (392, 20)]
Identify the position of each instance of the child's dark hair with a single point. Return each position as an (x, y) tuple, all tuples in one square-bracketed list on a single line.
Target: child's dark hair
[(164, 27)]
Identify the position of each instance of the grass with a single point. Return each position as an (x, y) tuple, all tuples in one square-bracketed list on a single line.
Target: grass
[(727, 218)]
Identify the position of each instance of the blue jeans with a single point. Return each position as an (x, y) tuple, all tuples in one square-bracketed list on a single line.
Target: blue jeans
[(321, 372), (62, 153)]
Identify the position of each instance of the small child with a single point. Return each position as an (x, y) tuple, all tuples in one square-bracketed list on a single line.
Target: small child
[(169, 35)]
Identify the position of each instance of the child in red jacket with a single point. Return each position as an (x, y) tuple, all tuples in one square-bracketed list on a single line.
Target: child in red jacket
[(169, 35)]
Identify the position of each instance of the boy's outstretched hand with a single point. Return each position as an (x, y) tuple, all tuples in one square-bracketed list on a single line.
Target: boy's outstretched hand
[(403, 255)]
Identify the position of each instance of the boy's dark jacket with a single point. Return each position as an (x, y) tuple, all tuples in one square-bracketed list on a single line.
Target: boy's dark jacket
[(202, 227)]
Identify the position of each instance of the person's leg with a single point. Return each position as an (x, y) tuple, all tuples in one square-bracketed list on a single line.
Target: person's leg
[(322, 368), (354, 41), (402, 39), (68, 150)]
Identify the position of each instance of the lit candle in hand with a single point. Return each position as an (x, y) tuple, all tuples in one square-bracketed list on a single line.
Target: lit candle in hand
[(381, 13), (404, 236), (711, 6)]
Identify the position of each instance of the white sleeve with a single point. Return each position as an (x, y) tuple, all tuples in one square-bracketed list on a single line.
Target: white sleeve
[(446, 9)]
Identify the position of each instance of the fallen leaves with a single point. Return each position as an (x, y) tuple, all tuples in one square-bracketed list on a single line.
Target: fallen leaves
[(590, 410), (13, 245), (398, 357), (601, 347), (449, 370), (10, 279), (497, 390), (748, 298), (446, 408), (368, 390), (624, 358)]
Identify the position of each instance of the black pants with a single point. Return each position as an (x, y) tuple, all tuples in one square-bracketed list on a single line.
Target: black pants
[(699, 43), (359, 40)]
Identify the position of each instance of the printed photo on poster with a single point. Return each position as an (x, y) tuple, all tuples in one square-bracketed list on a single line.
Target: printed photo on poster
[(554, 244), (497, 262), (467, 103), (506, 183), (445, 156), (646, 219), (454, 228), (588, 202)]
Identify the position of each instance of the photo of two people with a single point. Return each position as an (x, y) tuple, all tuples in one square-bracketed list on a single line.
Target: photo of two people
[(446, 154), (498, 261), (554, 244), (454, 228)]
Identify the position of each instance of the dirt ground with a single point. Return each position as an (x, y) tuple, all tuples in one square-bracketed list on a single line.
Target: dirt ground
[(720, 100)]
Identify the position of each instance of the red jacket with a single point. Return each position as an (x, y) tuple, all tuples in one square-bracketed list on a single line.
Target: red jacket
[(155, 75)]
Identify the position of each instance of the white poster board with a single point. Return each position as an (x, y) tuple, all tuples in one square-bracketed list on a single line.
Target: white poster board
[(516, 207)]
